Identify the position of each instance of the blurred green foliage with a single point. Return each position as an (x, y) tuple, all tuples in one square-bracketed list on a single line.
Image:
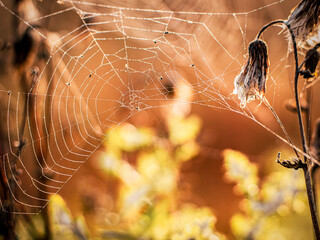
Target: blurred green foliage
[(62, 224), (146, 204), (274, 208), (148, 196)]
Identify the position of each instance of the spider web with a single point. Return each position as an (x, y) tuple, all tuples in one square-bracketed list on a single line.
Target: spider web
[(111, 63)]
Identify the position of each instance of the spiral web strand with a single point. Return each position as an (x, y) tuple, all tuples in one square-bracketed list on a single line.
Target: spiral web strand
[(116, 63)]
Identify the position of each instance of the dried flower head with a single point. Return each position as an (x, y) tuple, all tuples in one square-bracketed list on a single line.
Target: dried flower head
[(304, 18), (311, 61), (251, 81)]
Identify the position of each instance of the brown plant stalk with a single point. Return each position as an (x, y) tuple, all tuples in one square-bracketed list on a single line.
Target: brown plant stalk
[(306, 163)]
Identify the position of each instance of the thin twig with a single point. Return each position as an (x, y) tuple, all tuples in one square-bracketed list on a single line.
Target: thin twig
[(265, 101), (269, 25)]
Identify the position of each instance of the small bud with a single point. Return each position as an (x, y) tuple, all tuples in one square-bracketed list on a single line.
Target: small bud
[(294, 163)]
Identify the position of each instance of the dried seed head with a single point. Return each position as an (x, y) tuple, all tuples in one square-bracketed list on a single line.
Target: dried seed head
[(251, 80), (312, 59), (304, 18)]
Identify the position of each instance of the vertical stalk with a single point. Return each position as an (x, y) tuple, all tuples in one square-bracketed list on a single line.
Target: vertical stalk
[(315, 151), (314, 142), (306, 169), (314, 167), (311, 200)]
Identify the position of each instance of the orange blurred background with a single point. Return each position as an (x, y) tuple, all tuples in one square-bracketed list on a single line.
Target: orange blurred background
[(202, 179)]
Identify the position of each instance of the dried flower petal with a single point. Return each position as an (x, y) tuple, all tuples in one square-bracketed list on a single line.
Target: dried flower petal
[(251, 80), (304, 18), (313, 38)]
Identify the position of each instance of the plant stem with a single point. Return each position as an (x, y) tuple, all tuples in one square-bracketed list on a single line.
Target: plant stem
[(308, 118), (269, 106), (314, 186), (296, 95), (269, 25), (311, 201), (297, 69), (307, 175)]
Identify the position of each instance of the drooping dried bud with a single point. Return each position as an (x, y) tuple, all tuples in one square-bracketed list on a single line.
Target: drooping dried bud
[(311, 62), (252, 79), (304, 18), (312, 59)]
